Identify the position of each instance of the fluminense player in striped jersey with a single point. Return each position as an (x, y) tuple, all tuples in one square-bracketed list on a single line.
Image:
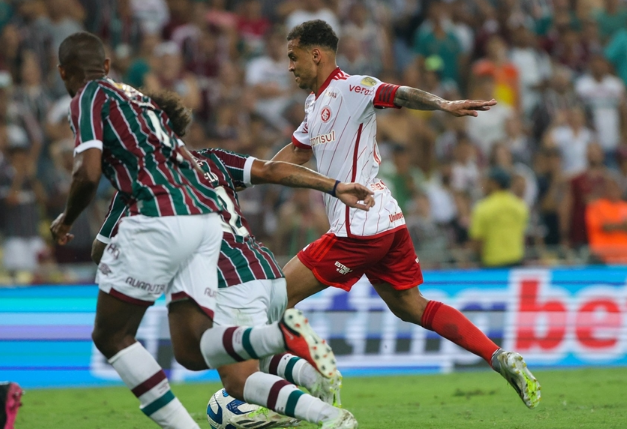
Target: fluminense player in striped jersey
[(340, 130), (169, 243), (251, 286)]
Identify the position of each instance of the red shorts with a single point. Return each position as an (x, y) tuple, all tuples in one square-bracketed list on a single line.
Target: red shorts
[(341, 261)]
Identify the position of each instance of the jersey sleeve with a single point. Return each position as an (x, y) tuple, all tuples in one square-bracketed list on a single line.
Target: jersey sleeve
[(300, 137), (239, 166), (117, 210), (88, 110), (369, 90)]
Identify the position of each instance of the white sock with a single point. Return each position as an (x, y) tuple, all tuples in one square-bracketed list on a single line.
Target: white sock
[(273, 392), (292, 368), (223, 346), (142, 374)]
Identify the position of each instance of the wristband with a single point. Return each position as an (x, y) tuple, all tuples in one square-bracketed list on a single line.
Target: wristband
[(332, 193)]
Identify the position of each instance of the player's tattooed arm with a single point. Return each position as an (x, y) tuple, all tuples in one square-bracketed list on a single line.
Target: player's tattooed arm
[(417, 99), (295, 176)]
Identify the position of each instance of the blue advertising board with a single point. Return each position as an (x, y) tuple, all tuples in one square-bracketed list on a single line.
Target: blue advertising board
[(560, 317)]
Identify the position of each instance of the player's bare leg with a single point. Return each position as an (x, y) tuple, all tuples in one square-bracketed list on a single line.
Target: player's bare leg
[(410, 306), (114, 335), (301, 282)]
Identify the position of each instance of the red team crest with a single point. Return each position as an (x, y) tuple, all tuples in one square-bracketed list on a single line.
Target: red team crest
[(325, 114)]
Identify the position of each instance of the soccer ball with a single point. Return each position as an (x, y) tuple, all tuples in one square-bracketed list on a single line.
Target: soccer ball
[(222, 407)]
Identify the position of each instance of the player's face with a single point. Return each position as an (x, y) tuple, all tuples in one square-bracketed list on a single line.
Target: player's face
[(301, 64)]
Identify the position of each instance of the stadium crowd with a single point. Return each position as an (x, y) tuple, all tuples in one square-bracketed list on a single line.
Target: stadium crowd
[(557, 140)]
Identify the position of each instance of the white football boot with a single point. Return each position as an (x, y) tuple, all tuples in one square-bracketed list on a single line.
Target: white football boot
[(263, 418), (344, 420), (515, 371), (328, 389)]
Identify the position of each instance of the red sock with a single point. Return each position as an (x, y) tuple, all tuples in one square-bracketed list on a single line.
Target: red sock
[(454, 326)]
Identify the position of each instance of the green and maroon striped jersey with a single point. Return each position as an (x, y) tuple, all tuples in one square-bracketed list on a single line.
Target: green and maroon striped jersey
[(140, 153), (242, 257)]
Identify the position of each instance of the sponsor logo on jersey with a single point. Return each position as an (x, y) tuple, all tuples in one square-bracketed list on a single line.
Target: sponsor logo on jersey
[(114, 250), (342, 269), (210, 292), (360, 90), (325, 114), (368, 81), (396, 216), (323, 138), (330, 93), (157, 289)]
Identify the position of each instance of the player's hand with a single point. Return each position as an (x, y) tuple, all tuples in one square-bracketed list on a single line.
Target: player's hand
[(467, 107), (351, 193), (61, 232)]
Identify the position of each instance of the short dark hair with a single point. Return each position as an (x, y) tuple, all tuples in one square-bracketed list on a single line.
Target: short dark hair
[(81, 50), (314, 33)]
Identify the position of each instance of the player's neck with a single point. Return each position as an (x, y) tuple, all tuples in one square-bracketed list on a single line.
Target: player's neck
[(325, 71)]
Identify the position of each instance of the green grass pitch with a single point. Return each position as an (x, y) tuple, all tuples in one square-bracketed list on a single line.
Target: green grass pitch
[(582, 398)]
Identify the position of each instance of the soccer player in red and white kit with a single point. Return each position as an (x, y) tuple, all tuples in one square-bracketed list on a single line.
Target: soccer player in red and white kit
[(340, 130)]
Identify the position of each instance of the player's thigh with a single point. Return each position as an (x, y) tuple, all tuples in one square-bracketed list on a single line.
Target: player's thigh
[(300, 281), (141, 260), (116, 324), (234, 376), (188, 322), (197, 277), (246, 304), (407, 304)]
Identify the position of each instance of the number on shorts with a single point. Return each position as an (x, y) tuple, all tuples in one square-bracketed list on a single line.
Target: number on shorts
[(232, 226)]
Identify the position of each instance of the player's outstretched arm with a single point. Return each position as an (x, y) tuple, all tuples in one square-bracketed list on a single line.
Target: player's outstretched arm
[(295, 176), (293, 154), (85, 178), (414, 98)]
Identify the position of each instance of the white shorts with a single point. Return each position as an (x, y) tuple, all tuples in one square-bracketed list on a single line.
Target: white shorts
[(175, 255), (254, 303)]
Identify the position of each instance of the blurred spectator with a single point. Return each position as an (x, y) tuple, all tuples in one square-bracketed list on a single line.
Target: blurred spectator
[(535, 67), (307, 10), (430, 240), (406, 17), (33, 32), (21, 198), (559, 96), (466, 176), (434, 82), (552, 187), (441, 195), (572, 137), (10, 54), (524, 184), (140, 65), (168, 74), (604, 95), (498, 223), (269, 80), (606, 222), (582, 189), (434, 38), (31, 92), (404, 180), (113, 20), (560, 17), (251, 27), (505, 74), (612, 18), (66, 17), (485, 130), (570, 51), (301, 221), (517, 141), (152, 15), (372, 38), (352, 59), (616, 52)]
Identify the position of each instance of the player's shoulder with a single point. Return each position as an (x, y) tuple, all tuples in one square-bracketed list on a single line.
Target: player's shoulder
[(357, 85)]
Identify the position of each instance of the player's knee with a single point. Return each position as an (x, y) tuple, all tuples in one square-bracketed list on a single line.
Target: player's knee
[(233, 382), (110, 343), (190, 359)]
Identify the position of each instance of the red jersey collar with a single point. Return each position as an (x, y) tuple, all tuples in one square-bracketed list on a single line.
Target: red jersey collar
[(328, 81)]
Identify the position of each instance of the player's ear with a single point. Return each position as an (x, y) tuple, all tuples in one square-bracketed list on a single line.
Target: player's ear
[(316, 55), (107, 65), (61, 71)]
